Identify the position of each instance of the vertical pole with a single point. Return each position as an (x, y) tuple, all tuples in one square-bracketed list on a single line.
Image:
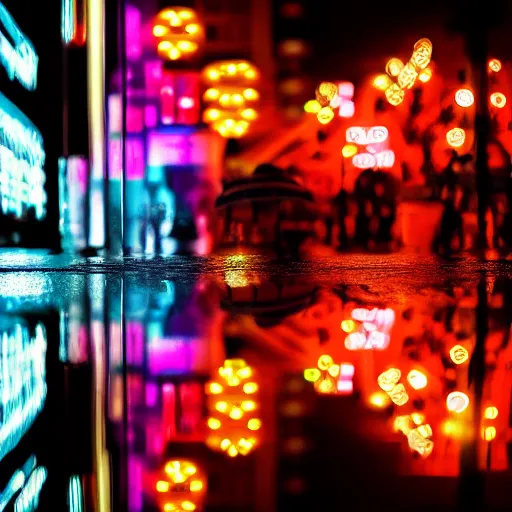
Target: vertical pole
[(477, 42), (96, 104)]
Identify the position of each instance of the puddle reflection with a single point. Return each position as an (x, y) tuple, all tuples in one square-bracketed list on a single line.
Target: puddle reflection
[(246, 391)]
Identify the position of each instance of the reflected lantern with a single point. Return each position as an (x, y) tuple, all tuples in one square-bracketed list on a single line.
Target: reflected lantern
[(182, 486), (178, 32), (231, 96), (234, 408), (498, 99)]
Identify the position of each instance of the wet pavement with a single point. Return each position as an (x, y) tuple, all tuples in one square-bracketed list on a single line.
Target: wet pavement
[(242, 383)]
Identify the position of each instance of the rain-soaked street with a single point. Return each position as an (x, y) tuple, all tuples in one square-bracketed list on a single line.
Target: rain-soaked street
[(240, 383)]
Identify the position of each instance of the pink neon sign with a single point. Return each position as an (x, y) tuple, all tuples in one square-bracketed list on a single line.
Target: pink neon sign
[(374, 328), (375, 140), (344, 99)]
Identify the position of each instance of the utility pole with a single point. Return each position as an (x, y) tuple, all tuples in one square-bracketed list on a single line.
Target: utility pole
[(476, 33)]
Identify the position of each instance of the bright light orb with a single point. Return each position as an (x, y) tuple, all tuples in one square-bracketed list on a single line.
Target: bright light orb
[(388, 379), (459, 354), (457, 402), (425, 75), (312, 107), (464, 98), (395, 94), (348, 325), (498, 99), (394, 66), (325, 115), (491, 413), (417, 380), (456, 137), (399, 395), (381, 82), (495, 65)]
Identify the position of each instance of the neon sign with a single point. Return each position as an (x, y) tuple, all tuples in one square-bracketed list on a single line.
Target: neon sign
[(22, 159), (28, 499), (377, 156), (20, 60), (23, 383)]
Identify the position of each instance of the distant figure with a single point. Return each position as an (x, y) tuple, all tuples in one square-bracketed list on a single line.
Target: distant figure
[(451, 235), (376, 194)]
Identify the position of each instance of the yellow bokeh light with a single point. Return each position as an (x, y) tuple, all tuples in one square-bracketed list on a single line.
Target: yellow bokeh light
[(457, 402), (236, 413), (213, 74), (248, 405), (381, 82), (417, 418), (174, 54), (254, 424), (164, 46), (379, 400), (402, 424), (169, 507), (312, 107), (160, 30), (417, 380), (458, 354), (211, 94), (187, 505), (225, 444), (237, 100), (250, 388), (251, 94), (498, 99), (312, 374), (495, 65), (491, 413), (489, 433), (187, 46), (232, 451), (214, 423), (464, 98), (394, 66), (388, 379), (325, 115), (425, 430), (196, 485), (348, 151), (190, 470), (452, 428), (162, 486), (407, 76), (425, 75), (215, 388), (249, 113), (399, 395), (193, 28), (325, 362), (334, 370), (456, 137), (221, 406), (395, 95), (325, 386)]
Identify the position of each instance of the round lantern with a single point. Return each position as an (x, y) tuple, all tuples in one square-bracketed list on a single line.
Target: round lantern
[(178, 32), (456, 137), (231, 97), (233, 406), (498, 99), (182, 486), (464, 98), (495, 65)]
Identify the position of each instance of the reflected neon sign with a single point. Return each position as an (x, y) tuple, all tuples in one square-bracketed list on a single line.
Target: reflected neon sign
[(373, 330), (23, 382)]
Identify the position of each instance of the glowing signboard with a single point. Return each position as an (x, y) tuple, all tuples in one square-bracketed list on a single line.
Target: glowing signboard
[(372, 330), (20, 60), (23, 382), (375, 139), (22, 160)]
